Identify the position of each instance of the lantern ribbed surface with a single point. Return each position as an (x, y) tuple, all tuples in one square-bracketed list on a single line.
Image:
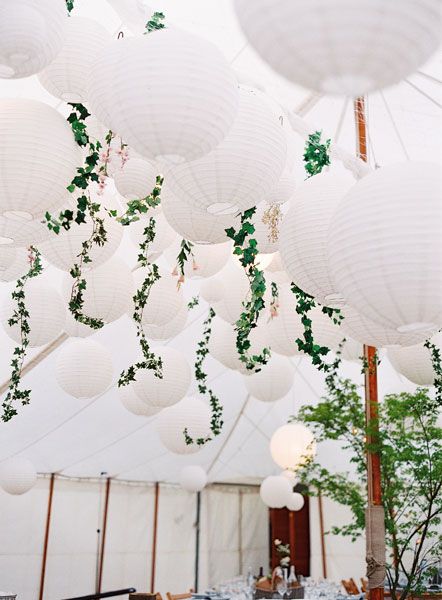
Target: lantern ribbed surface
[(222, 344), (414, 362), (296, 501), (243, 169), (31, 35), (236, 288), (169, 329), (275, 270), (341, 47), (273, 381), (212, 290), (133, 404), (17, 475), (20, 230), (275, 491), (164, 234), (325, 331), (384, 246), (304, 233), (191, 414), (14, 263), (164, 302), (83, 368), (352, 350), (285, 327), (284, 189), (291, 444), (167, 94), (34, 139), (47, 314), (74, 328), (207, 260), (193, 478), (66, 77), (136, 179), (173, 385)]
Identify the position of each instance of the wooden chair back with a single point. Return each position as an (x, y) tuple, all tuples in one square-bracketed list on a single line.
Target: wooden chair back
[(364, 584), (179, 596), (144, 596), (350, 586)]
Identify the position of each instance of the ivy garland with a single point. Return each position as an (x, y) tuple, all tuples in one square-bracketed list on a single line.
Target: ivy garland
[(183, 257), (316, 155), (255, 303), (193, 302), (20, 317), (69, 6), (216, 422), (437, 367), (155, 22)]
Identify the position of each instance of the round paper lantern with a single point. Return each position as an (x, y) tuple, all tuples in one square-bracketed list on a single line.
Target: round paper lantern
[(74, 328), (243, 169), (291, 445), (325, 331), (164, 302), (207, 260), (133, 15), (170, 329), (212, 290), (191, 414), (168, 94), (174, 384), (46, 310), (193, 478), (276, 270), (285, 327), (84, 368), (284, 189), (236, 287), (340, 47), (352, 350), (414, 362), (296, 501), (34, 139), (17, 475), (222, 344), (31, 35), (133, 404), (14, 263), (291, 476), (20, 230), (381, 274), (275, 491), (67, 75), (273, 381), (304, 231), (164, 234), (109, 290), (193, 224), (136, 179)]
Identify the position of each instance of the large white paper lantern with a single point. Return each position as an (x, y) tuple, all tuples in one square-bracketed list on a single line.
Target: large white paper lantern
[(414, 362), (191, 414), (169, 94), (206, 261), (170, 329), (243, 169), (31, 35), (46, 310), (304, 232), (222, 344), (164, 302), (276, 270), (236, 287), (194, 224), (74, 328), (193, 478), (284, 189), (136, 179), (67, 75), (285, 327), (275, 491), (325, 331), (273, 381), (17, 475), (14, 263), (384, 246), (37, 141), (212, 290), (341, 47), (173, 385), (20, 230), (83, 368), (133, 404), (291, 445), (164, 234), (296, 502)]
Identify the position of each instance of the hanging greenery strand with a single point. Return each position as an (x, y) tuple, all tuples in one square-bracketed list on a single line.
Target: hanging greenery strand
[(183, 257), (155, 22), (20, 318), (69, 6), (437, 367), (316, 155)]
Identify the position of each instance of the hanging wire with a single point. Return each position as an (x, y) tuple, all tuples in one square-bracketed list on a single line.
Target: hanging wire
[(341, 121), (395, 127), (424, 94)]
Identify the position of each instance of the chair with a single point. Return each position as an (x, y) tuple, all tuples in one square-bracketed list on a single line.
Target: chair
[(350, 587), (364, 584), (184, 596), (145, 596)]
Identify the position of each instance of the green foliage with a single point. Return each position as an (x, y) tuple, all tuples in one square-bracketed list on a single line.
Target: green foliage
[(20, 317), (184, 254), (193, 302), (437, 366), (155, 22), (70, 6), (140, 206), (316, 155)]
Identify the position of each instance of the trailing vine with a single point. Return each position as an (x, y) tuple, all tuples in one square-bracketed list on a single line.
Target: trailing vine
[(193, 302), (254, 304), (316, 155), (140, 206), (216, 423), (69, 6), (183, 257), (437, 367), (155, 22), (20, 317), (274, 303)]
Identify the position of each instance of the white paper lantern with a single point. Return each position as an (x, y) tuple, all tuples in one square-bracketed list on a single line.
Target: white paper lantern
[(17, 475), (193, 224), (169, 94), (67, 75), (133, 404), (136, 179), (284, 189), (173, 385), (206, 261), (31, 35), (74, 328), (83, 368), (14, 263), (303, 237), (212, 290), (325, 331), (164, 234), (352, 350), (275, 270), (243, 169), (191, 414), (193, 478), (342, 47), (275, 491), (384, 246), (296, 502), (285, 327), (170, 329), (222, 344), (414, 362), (291, 476), (46, 310), (37, 141), (164, 302), (236, 287), (20, 230), (273, 381), (291, 445), (133, 13)]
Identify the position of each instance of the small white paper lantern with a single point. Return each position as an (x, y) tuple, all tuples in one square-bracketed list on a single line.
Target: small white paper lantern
[(164, 234), (212, 290), (193, 478), (168, 94), (136, 179), (296, 502), (174, 384), (291, 476), (222, 344), (164, 302), (340, 47), (31, 35), (14, 263), (67, 75), (243, 169), (414, 362), (207, 260), (275, 491), (291, 445), (304, 231), (83, 368), (17, 475), (273, 381), (285, 327), (47, 314), (236, 287), (133, 404), (170, 329), (36, 140), (74, 328), (191, 414)]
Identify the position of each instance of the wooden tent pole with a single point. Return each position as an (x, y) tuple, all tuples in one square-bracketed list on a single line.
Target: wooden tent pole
[(321, 528), (154, 538), (103, 534), (197, 541), (46, 538)]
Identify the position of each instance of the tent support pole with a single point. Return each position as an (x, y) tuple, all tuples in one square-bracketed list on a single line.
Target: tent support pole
[(321, 528), (154, 538), (374, 515), (197, 541), (46, 538), (103, 535), (240, 556)]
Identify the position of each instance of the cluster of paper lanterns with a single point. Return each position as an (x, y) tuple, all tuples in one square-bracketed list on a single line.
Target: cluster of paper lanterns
[(277, 492)]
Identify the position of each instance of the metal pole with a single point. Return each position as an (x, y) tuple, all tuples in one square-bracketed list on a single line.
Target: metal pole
[(240, 556), (154, 538), (197, 540), (46, 538), (103, 535)]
